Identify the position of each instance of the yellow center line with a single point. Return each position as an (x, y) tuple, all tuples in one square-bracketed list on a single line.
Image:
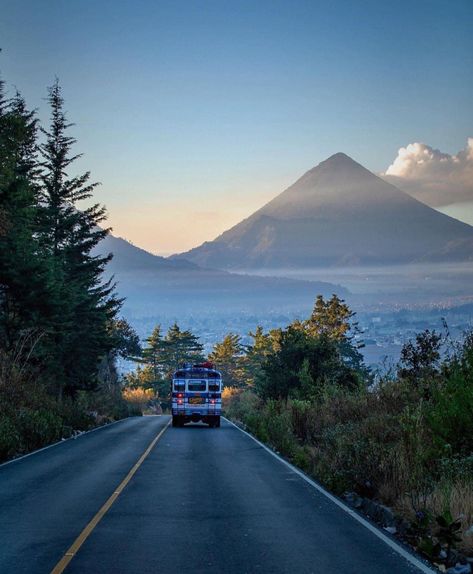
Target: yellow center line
[(72, 551)]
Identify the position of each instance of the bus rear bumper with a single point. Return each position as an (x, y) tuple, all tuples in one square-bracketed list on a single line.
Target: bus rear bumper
[(180, 418)]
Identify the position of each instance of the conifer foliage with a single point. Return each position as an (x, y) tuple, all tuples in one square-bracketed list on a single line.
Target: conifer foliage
[(23, 269), (309, 355), (229, 358), (299, 361), (59, 330), (162, 355), (69, 232)]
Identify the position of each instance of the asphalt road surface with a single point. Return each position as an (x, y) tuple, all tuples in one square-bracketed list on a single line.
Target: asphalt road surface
[(203, 501)]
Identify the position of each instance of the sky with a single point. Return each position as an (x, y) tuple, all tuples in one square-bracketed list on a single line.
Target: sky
[(192, 114)]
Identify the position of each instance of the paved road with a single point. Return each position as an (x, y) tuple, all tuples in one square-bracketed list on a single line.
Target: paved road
[(203, 501)]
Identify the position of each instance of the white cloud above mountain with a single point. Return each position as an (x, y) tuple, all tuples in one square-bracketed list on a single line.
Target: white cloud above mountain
[(431, 176)]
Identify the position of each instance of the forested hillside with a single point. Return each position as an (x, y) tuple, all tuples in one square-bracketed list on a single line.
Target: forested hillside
[(60, 330)]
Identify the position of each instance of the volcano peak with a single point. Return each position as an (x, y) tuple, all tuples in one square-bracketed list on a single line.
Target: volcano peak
[(336, 212)]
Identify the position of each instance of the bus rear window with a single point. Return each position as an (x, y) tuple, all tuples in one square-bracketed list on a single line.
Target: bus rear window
[(197, 385), (179, 385), (214, 387)]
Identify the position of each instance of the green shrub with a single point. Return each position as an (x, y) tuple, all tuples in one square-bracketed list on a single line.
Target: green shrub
[(38, 427), (277, 423), (300, 414), (10, 437), (30, 418), (450, 413), (457, 469), (301, 458), (405, 441), (239, 405)]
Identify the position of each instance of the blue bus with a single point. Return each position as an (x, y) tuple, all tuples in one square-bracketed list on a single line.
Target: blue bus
[(196, 395)]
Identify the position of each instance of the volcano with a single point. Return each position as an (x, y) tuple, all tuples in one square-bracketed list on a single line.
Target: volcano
[(338, 214)]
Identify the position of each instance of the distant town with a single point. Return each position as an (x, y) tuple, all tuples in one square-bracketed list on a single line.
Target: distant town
[(383, 331)]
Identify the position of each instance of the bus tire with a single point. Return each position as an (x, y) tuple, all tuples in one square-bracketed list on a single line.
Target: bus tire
[(176, 422)]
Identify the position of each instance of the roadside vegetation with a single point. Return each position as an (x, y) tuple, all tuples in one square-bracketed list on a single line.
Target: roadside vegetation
[(403, 438), (398, 444), (60, 330)]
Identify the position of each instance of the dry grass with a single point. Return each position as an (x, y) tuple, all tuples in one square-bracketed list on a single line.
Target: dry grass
[(139, 397), (229, 393), (456, 497)]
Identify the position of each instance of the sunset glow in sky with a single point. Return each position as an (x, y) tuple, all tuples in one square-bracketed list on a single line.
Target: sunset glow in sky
[(193, 114)]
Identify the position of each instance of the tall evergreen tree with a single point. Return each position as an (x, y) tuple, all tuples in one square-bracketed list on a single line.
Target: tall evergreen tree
[(229, 358), (334, 320), (302, 366), (154, 354), (85, 304), (257, 352), (126, 345), (24, 284), (181, 347), (308, 355), (163, 355)]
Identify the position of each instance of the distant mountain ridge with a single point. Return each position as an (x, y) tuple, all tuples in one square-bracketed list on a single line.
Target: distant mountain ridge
[(129, 257), (338, 213), (154, 285)]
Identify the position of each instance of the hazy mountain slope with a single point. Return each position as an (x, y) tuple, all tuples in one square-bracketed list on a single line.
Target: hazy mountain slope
[(337, 213), (129, 257), (154, 285)]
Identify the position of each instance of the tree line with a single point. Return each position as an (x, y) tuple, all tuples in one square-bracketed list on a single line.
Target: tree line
[(294, 362), (59, 318)]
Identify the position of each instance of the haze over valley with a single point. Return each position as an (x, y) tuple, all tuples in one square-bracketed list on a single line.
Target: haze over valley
[(339, 229)]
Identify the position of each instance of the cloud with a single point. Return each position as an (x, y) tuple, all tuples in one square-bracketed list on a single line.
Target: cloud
[(431, 176)]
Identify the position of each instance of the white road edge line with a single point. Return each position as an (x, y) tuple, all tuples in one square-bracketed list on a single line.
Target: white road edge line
[(64, 441), (391, 543)]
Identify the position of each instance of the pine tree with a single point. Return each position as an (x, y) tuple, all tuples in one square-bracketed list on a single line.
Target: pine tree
[(24, 284), (84, 303), (126, 341), (181, 347), (257, 352), (163, 355), (229, 358), (153, 354), (126, 345), (334, 320)]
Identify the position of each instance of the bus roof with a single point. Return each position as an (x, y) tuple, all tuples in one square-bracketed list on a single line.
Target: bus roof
[(196, 372)]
